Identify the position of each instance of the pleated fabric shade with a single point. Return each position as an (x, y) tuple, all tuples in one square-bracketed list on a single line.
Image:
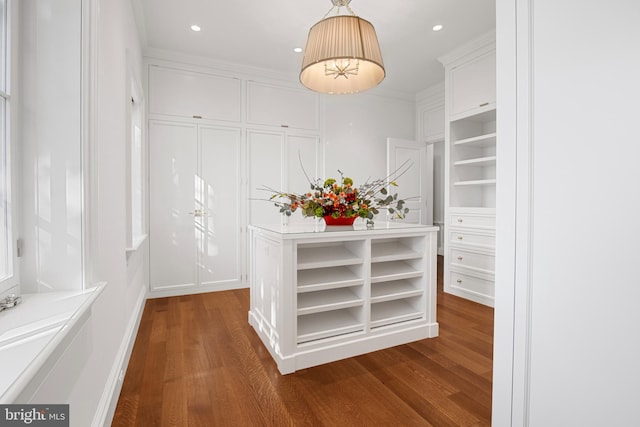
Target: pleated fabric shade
[(342, 56)]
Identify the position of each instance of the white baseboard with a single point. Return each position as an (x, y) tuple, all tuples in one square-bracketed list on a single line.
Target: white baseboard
[(189, 290), (107, 405)]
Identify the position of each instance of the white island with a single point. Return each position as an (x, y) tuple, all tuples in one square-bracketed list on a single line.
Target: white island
[(320, 294)]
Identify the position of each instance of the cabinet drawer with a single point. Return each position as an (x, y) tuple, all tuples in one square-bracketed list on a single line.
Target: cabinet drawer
[(470, 220), (463, 237), (472, 284), (475, 260)]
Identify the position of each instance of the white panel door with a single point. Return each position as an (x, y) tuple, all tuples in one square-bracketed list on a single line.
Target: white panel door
[(219, 217), (266, 169), (172, 202), (415, 186)]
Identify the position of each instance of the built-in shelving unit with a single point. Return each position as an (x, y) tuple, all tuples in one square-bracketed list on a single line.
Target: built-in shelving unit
[(470, 170), (337, 279), (319, 297), (396, 269), (472, 153)]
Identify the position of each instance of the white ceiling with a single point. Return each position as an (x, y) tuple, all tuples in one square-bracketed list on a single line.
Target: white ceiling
[(261, 33)]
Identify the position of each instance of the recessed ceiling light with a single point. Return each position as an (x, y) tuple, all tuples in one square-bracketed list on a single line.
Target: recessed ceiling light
[(297, 49), (437, 27), (195, 28)]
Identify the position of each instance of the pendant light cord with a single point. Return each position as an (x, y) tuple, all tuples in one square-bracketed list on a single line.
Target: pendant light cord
[(337, 8)]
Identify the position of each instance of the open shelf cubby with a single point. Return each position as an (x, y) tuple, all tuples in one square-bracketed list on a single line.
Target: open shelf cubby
[(329, 254), (327, 324), (394, 270), (396, 249), (317, 279), (396, 289), (395, 311), (327, 300)]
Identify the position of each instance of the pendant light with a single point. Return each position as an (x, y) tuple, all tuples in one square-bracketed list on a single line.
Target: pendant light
[(342, 54)]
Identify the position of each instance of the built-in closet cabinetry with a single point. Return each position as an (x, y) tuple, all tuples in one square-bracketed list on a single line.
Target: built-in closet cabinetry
[(194, 201), (214, 140), (470, 170)]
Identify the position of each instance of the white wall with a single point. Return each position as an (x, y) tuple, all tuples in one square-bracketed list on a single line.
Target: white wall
[(86, 375), (356, 129), (567, 318)]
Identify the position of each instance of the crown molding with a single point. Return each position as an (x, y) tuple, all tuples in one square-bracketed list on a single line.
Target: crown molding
[(486, 41)]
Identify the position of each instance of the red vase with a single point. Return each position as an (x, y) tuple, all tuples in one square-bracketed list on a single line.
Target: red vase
[(329, 220)]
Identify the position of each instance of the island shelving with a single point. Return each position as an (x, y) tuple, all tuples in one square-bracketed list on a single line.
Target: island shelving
[(320, 294)]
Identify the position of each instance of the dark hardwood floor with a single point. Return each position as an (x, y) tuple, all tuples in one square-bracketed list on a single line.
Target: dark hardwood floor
[(197, 362)]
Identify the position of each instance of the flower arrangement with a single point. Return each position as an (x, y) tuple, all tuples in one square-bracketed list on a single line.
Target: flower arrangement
[(342, 199)]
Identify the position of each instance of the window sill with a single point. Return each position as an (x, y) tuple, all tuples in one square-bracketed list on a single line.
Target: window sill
[(36, 330), (137, 242)]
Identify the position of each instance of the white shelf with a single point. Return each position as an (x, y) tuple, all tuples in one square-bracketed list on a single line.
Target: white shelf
[(396, 289), (480, 161), (389, 312), (476, 182), (394, 270), (327, 324), (332, 299), (391, 251), (487, 140), (327, 278), (326, 256)]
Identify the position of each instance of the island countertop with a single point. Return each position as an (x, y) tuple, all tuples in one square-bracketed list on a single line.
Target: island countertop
[(359, 228)]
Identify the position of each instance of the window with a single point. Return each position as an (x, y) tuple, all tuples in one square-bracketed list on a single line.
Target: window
[(6, 259)]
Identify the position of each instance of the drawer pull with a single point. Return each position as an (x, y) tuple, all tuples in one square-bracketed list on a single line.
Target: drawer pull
[(484, 104), (459, 258), (460, 237), (459, 280), (459, 219)]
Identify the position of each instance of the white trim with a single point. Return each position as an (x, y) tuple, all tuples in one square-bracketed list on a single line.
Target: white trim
[(514, 227), (90, 164), (108, 401), (174, 291), (485, 41)]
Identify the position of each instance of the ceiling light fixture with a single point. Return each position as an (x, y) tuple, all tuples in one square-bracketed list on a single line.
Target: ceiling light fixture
[(342, 54), (437, 27), (195, 28)]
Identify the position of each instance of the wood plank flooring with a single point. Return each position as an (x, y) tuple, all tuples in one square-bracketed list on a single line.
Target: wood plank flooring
[(197, 362)]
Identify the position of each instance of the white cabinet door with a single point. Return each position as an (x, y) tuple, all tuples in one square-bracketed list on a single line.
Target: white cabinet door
[(281, 106), (219, 198), (266, 169), (432, 124), (190, 94), (473, 85), (415, 186), (173, 199)]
